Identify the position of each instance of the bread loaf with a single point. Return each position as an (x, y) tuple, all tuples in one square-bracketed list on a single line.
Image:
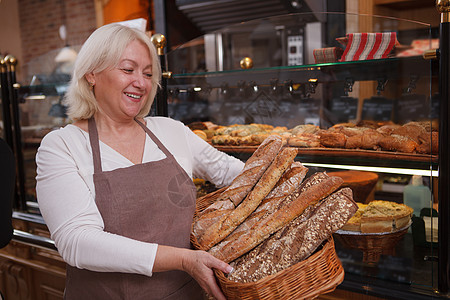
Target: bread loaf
[(429, 143), (332, 139), (220, 230), (289, 210), (255, 166), (411, 130), (289, 182), (298, 240), (220, 249), (371, 139), (227, 246), (241, 185), (304, 140), (218, 214), (398, 143), (368, 139)]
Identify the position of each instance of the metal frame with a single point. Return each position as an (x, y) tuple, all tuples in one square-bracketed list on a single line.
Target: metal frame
[(444, 163)]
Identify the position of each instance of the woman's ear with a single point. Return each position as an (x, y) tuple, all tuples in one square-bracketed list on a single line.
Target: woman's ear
[(90, 78)]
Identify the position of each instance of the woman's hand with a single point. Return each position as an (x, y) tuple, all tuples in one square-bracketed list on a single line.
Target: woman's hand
[(198, 264)]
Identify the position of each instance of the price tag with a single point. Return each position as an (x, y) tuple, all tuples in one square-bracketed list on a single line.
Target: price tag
[(343, 109), (412, 107), (377, 108)]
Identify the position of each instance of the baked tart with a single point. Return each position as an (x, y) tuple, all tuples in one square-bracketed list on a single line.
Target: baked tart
[(379, 217), (354, 223)]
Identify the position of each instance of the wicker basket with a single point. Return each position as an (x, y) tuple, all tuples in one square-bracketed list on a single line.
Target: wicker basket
[(320, 273), (372, 245)]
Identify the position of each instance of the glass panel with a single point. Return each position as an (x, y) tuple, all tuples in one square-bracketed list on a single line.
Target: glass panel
[(323, 70), (40, 107)]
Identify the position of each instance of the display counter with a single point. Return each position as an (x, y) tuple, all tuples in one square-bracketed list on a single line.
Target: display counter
[(320, 83), (286, 72)]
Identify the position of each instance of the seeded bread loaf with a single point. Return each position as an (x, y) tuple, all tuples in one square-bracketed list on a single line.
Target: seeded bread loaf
[(298, 240), (292, 208), (288, 183)]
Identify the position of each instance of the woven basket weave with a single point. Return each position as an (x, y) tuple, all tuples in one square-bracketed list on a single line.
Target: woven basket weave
[(372, 245), (320, 273)]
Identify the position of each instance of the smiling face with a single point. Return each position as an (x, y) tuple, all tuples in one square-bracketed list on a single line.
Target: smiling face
[(122, 91)]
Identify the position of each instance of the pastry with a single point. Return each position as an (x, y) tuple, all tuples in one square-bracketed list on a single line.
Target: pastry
[(379, 216)]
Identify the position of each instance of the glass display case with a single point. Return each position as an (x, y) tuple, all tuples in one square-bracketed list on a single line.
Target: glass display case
[(313, 76), (30, 110)]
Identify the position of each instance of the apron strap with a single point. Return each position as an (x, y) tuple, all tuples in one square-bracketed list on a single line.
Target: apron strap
[(93, 138), (155, 139), (95, 146)]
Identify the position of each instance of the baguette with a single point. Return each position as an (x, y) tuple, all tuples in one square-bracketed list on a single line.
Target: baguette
[(290, 210), (207, 219), (253, 170), (255, 166), (297, 240), (316, 178), (289, 182), (220, 230)]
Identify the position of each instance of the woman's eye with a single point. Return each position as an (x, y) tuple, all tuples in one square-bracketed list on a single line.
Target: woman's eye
[(148, 75), (127, 70)]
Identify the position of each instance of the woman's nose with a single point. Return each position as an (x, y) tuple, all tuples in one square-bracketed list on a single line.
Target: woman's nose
[(139, 80)]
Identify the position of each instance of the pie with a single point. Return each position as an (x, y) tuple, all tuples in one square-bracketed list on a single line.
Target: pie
[(379, 217), (354, 223)]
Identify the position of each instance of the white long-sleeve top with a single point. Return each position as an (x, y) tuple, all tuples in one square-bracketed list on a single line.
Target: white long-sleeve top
[(66, 192)]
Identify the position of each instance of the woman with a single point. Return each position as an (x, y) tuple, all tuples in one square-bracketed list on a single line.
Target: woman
[(115, 187)]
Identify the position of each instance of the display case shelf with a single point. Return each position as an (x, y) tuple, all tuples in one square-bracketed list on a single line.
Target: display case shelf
[(351, 157), (287, 87), (387, 69)]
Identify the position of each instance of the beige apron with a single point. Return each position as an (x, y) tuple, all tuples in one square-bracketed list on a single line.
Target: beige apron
[(151, 202)]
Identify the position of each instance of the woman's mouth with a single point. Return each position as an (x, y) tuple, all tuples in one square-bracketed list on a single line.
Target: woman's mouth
[(134, 97)]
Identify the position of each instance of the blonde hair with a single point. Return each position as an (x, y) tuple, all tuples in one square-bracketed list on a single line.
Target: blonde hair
[(102, 50)]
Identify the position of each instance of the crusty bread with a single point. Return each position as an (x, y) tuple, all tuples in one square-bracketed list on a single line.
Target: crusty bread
[(290, 210), (429, 143), (398, 143), (387, 129), (367, 139), (201, 225), (297, 240), (288, 183), (304, 140), (371, 139), (348, 131), (305, 128), (220, 230), (411, 130), (332, 139), (255, 166)]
